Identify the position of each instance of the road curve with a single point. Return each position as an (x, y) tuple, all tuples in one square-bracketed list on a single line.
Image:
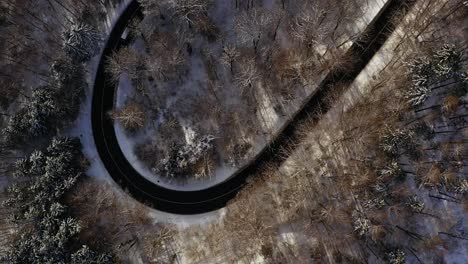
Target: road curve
[(215, 197)]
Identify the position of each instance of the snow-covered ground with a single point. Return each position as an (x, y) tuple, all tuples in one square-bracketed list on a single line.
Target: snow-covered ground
[(128, 143)]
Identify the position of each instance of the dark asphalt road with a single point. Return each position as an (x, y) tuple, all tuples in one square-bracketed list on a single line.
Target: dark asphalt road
[(194, 202)]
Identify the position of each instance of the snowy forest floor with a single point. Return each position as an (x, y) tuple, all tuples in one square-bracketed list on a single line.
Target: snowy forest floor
[(219, 89)]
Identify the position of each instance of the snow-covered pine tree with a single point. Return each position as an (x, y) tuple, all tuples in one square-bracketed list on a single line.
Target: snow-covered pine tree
[(424, 130), (35, 199), (69, 82), (446, 61), (87, 256), (46, 177), (43, 101), (35, 118), (417, 95), (396, 256), (41, 110), (395, 140), (48, 106), (420, 71), (361, 223), (47, 245), (63, 71), (461, 186), (16, 128), (464, 77), (81, 42), (392, 171), (425, 71), (180, 158), (415, 204)]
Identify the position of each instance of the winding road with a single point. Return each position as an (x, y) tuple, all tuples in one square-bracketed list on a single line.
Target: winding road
[(215, 197)]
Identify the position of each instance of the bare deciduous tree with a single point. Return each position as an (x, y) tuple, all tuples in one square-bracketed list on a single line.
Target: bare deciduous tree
[(188, 9), (167, 53), (307, 28), (252, 26), (229, 56), (126, 60), (247, 76), (130, 116)]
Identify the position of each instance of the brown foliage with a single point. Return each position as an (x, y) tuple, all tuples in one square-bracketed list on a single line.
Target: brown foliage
[(118, 223), (206, 27), (434, 242), (252, 217), (377, 232), (126, 60), (205, 167), (433, 176), (285, 63), (130, 116), (450, 104), (167, 56)]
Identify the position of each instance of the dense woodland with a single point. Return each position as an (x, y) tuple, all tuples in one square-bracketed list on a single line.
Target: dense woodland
[(232, 71), (380, 177), (44, 46)]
